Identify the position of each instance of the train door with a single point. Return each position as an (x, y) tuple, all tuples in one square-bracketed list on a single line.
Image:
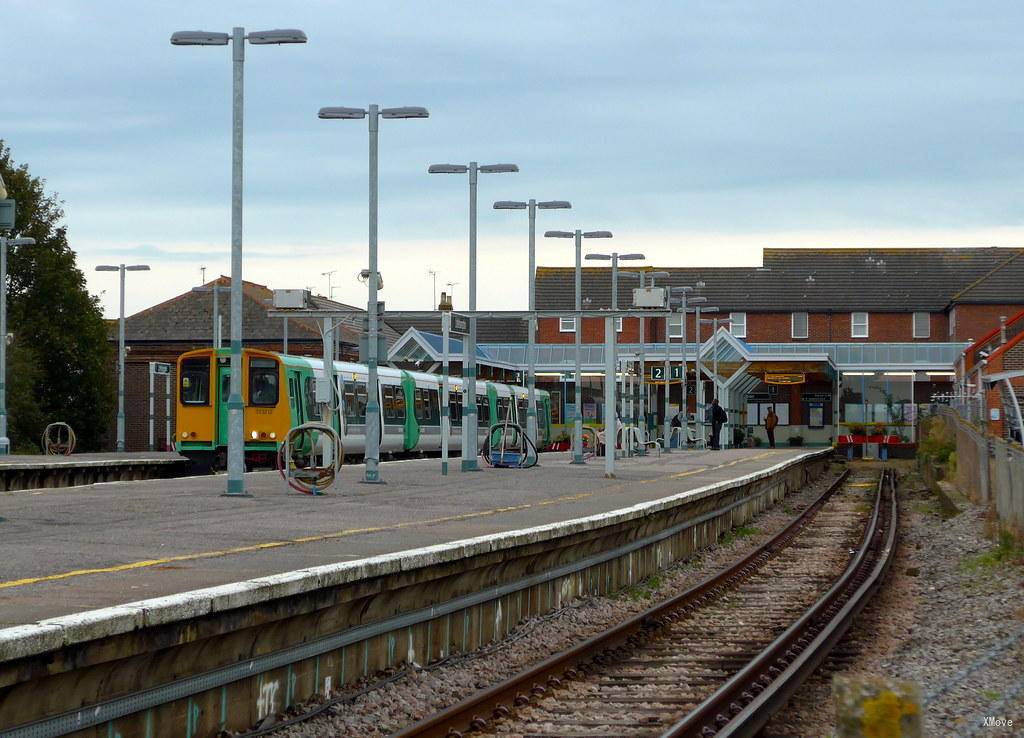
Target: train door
[(224, 391), (294, 406)]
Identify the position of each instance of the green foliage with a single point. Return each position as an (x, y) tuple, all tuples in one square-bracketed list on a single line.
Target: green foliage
[(1006, 551), (60, 363), (937, 442)]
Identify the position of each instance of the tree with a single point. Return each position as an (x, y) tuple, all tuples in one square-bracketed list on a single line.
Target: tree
[(60, 361)]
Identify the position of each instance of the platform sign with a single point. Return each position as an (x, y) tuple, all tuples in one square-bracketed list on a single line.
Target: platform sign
[(160, 367), (658, 372), (460, 324)]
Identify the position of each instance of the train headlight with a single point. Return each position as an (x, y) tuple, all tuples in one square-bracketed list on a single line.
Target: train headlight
[(184, 434), (255, 435), (273, 435)]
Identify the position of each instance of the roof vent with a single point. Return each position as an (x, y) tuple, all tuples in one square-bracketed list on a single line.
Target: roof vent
[(810, 278)]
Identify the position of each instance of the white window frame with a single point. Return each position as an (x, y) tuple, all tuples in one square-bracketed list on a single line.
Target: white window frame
[(618, 324), (853, 325), (792, 324), (952, 322), (675, 325), (733, 320), (563, 322), (927, 322)]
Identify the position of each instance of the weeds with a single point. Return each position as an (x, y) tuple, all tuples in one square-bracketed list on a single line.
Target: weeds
[(1006, 551)]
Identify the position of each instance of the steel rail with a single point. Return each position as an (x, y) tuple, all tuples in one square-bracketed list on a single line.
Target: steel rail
[(477, 711), (746, 702)]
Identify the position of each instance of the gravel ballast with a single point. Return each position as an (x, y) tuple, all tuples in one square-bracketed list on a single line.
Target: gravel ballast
[(950, 619), (416, 693)]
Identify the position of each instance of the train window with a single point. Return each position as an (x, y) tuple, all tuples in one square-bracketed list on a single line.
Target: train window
[(483, 412), (309, 398), (195, 382), (389, 402), (521, 408), (455, 407), (263, 389), (355, 402), (430, 399), (417, 396), (400, 405)]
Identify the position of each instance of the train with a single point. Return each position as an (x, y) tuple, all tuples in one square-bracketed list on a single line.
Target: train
[(279, 393)]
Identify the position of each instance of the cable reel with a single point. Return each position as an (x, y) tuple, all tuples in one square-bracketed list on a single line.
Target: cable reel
[(58, 439), (297, 458), (508, 446)]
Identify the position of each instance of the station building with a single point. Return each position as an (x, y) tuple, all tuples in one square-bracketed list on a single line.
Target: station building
[(844, 344)]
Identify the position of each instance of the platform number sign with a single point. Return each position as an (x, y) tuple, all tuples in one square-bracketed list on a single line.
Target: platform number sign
[(658, 372)]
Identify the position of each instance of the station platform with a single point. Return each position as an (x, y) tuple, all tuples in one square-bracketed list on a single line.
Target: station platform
[(69, 550), (26, 471)]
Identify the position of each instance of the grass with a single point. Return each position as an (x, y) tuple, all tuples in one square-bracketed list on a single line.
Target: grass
[(1006, 551), (644, 590), (991, 695)]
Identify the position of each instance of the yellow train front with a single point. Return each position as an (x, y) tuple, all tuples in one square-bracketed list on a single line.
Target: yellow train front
[(204, 385)]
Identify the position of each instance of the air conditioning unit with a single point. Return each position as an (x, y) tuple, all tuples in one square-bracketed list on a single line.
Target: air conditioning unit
[(649, 297), (291, 299)]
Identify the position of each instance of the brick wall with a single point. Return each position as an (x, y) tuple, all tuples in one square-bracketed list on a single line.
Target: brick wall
[(768, 328), (974, 321)]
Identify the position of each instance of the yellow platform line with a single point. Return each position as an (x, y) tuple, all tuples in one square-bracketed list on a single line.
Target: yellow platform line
[(256, 547)]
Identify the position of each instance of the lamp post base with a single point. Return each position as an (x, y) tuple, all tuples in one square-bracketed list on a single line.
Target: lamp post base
[(5, 445)]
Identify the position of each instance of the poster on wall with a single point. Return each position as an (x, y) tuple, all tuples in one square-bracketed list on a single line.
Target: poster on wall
[(589, 411), (816, 414)]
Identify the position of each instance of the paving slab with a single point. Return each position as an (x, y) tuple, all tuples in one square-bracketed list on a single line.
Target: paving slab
[(75, 549), (43, 461)]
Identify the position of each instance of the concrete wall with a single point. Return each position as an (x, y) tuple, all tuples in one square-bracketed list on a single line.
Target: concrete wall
[(229, 656)]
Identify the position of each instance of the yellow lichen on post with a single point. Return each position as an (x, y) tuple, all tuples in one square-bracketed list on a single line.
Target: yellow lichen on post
[(876, 707)]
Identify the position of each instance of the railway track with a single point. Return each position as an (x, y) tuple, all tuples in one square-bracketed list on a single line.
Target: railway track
[(716, 660)]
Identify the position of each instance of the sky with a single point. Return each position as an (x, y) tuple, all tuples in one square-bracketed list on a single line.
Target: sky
[(697, 132)]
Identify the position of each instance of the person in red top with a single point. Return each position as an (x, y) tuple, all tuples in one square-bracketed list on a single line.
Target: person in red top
[(770, 421)]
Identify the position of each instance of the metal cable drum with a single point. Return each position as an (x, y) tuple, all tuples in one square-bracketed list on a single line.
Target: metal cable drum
[(58, 439), (310, 478)]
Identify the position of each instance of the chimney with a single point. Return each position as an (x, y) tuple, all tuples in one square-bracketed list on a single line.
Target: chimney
[(446, 302)]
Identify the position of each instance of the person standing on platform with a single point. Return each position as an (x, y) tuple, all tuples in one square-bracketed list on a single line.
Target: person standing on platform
[(770, 421), (718, 418)]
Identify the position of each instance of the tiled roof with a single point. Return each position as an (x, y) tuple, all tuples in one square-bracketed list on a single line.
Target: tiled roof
[(488, 330), (1004, 284), (880, 280), (188, 318)]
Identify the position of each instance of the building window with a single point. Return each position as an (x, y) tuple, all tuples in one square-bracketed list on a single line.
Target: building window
[(798, 325), (618, 325), (858, 325), (952, 322), (567, 325), (675, 326), (922, 325), (738, 324)]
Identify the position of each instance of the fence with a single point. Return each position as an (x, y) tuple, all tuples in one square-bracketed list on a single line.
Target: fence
[(990, 470)]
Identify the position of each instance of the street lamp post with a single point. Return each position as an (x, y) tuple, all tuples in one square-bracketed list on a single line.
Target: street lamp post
[(238, 37), (5, 442), (374, 113), (122, 268), (611, 344), (531, 360), (642, 410), (469, 422), (578, 235)]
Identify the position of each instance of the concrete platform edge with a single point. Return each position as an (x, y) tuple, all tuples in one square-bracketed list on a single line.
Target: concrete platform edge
[(48, 635)]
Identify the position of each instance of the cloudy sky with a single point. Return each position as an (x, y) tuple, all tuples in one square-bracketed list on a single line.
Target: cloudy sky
[(697, 132)]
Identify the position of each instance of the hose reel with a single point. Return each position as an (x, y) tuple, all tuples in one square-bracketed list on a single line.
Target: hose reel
[(310, 458), (58, 439), (508, 446)]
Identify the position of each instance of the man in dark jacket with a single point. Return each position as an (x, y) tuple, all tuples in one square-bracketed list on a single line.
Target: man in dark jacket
[(718, 419)]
